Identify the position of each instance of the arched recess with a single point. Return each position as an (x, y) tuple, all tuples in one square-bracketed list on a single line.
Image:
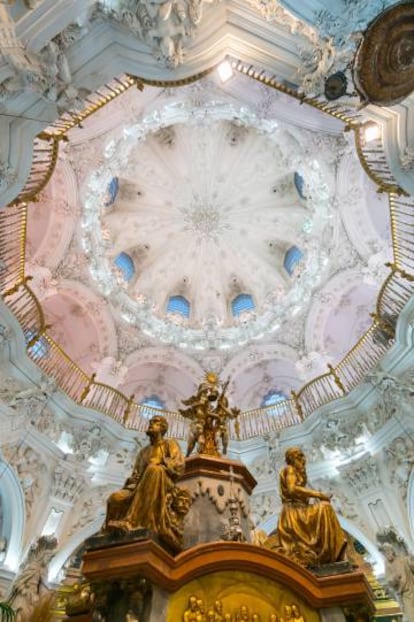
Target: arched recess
[(340, 311), (52, 219), (57, 562), (80, 324), (260, 369), (377, 559), (12, 499), (162, 371), (365, 213)]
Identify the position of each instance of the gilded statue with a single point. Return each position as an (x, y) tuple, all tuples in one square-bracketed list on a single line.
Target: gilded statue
[(296, 615), (190, 614), (308, 530), (209, 413), (150, 499), (196, 611)]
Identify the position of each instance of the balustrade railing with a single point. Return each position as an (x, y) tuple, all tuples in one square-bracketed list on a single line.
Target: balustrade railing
[(46, 145), (338, 380), (371, 154), (13, 223), (58, 365), (365, 354), (402, 231), (45, 155), (370, 148), (93, 102)]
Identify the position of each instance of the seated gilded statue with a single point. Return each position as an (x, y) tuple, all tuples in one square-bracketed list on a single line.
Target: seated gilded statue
[(150, 499), (308, 531)]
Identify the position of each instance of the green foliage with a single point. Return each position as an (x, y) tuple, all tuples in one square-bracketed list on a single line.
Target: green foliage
[(7, 613)]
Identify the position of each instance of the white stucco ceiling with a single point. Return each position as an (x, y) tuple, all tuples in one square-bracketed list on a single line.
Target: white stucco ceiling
[(207, 209)]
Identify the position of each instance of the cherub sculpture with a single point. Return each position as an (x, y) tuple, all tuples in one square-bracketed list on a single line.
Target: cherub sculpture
[(209, 413)]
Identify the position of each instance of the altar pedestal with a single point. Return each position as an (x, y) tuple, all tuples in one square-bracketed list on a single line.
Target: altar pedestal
[(220, 489), (142, 577), (219, 575)]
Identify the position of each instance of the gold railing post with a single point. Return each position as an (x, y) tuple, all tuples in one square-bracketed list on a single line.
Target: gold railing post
[(128, 409), (87, 389), (405, 275), (17, 286), (385, 326), (298, 405), (336, 378), (37, 336)]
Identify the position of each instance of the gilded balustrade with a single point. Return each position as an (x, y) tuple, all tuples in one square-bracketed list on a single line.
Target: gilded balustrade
[(45, 155), (370, 152), (338, 380), (94, 102), (46, 145), (13, 224), (373, 161), (365, 354), (317, 392), (27, 309), (261, 421), (402, 231)]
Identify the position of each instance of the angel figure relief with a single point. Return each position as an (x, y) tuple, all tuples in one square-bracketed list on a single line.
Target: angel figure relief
[(165, 25), (209, 413)]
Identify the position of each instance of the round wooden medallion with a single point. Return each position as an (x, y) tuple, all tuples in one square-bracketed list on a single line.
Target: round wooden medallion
[(384, 64)]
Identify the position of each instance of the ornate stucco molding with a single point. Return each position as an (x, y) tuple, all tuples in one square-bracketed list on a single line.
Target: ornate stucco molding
[(45, 72), (167, 26)]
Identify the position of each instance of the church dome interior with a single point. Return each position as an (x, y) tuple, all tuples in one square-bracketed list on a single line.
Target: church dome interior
[(194, 191)]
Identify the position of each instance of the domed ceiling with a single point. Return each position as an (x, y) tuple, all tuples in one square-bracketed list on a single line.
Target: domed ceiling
[(221, 227)]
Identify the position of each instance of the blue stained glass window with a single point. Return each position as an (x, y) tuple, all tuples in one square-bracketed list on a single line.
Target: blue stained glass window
[(112, 191), (40, 348), (125, 263), (299, 184), (292, 258), (179, 304), (153, 401), (273, 397), (242, 302)]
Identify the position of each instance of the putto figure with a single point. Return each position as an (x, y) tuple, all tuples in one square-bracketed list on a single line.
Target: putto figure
[(150, 499), (309, 533), (210, 413)]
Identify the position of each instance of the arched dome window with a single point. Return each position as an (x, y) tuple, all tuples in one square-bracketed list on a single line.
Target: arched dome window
[(126, 265), (40, 348), (299, 184), (112, 191), (180, 305), (153, 401), (293, 257), (242, 303), (273, 397)]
